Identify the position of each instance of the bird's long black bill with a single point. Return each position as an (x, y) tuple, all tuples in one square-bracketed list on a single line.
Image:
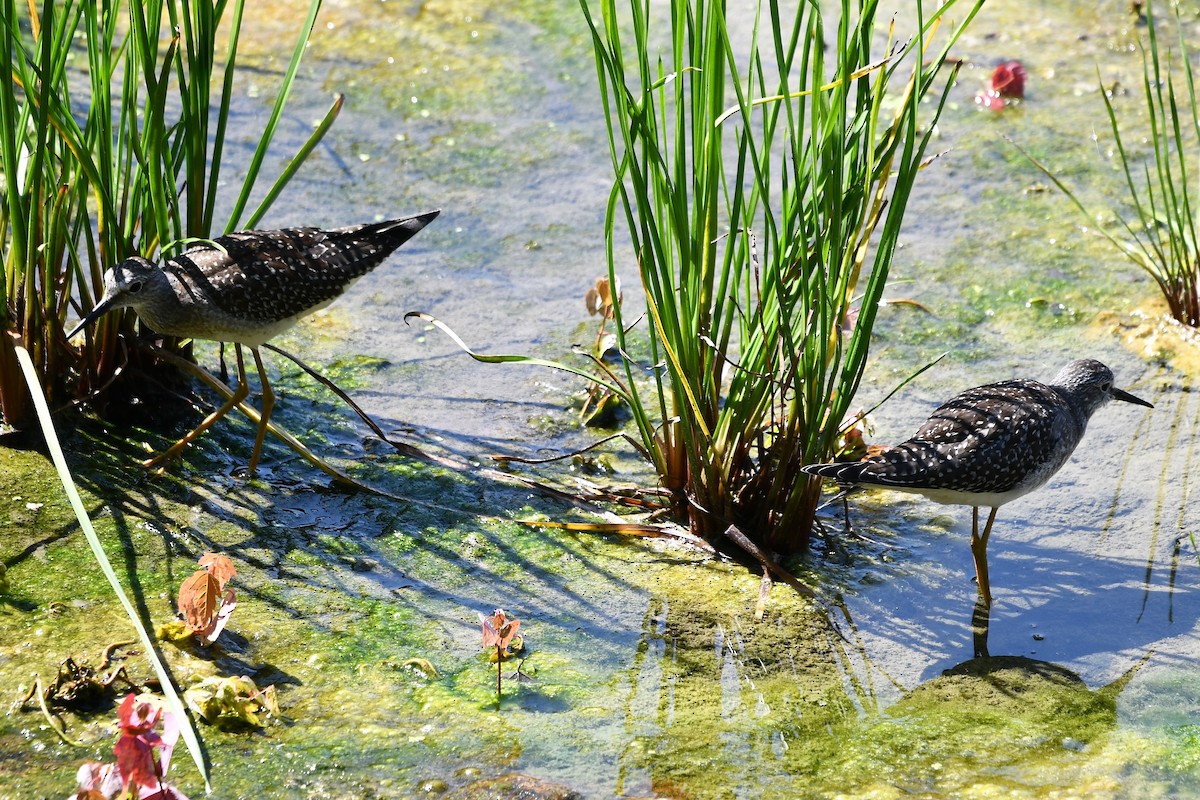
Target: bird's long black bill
[(96, 313), (1128, 398)]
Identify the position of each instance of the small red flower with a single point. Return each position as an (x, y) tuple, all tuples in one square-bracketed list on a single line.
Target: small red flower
[(143, 756), (137, 717), (1009, 80)]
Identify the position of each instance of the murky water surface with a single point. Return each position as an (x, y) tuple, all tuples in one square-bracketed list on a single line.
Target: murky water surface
[(648, 671)]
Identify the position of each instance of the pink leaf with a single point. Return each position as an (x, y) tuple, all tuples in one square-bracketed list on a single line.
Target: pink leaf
[(990, 100), (498, 629), (97, 779), (164, 791), (217, 623), (166, 743)]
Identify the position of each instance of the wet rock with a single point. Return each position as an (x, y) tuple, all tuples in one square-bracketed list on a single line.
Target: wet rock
[(433, 786), (1008, 681), (1021, 699), (514, 786)]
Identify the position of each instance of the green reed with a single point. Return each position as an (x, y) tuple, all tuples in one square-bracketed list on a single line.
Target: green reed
[(113, 124), (1165, 244), (763, 199)]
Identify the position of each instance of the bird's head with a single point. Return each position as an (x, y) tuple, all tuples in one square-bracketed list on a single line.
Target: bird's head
[(1091, 384), (135, 283)]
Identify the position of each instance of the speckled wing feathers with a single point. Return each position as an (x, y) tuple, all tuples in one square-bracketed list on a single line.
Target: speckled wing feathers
[(265, 276), (989, 439)]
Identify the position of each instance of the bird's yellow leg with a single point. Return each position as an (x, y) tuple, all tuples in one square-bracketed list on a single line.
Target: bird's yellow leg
[(239, 394), (268, 403), (980, 619), (979, 551)]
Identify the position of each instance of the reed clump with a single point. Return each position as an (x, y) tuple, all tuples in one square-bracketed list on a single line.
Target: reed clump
[(762, 198), (113, 125)]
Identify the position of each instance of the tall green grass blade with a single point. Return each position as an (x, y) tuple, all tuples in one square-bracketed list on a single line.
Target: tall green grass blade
[(235, 29), (268, 135), (188, 731), (297, 161)]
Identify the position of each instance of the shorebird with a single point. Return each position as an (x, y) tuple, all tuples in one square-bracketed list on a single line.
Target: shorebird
[(245, 288), (989, 445)]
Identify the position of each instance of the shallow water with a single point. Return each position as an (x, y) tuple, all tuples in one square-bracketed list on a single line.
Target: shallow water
[(652, 675)]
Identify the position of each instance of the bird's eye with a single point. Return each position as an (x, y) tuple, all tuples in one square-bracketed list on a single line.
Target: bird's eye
[(134, 287), (1106, 386)]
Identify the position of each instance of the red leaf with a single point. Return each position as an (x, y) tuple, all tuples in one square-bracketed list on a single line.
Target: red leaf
[(218, 566), (136, 761), (199, 598), (507, 632), (498, 629)]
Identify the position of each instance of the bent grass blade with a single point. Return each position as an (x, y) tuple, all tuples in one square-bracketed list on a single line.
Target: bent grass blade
[(190, 736)]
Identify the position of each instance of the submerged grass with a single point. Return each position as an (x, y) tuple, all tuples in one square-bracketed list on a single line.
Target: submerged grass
[(649, 666)]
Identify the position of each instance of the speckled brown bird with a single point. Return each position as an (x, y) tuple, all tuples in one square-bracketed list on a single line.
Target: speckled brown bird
[(990, 445), (247, 287)]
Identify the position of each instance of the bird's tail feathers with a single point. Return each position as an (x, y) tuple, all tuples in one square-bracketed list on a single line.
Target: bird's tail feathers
[(382, 238), (844, 472), (399, 231)]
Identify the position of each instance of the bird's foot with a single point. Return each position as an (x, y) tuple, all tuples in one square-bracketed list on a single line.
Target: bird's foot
[(159, 462), (157, 470), (245, 473)]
